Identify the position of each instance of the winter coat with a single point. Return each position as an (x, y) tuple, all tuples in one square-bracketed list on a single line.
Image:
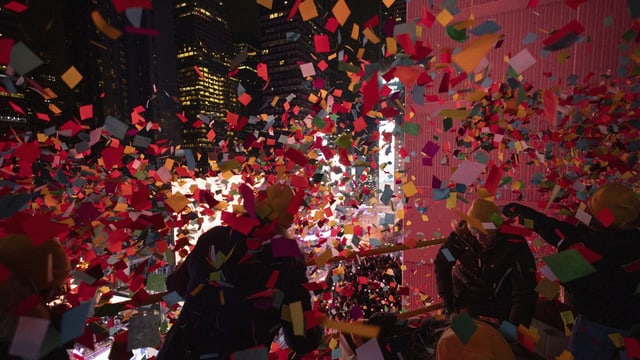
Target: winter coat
[(234, 298), (498, 281), (609, 296)]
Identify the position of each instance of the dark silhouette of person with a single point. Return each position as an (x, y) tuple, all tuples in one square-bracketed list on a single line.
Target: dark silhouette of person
[(487, 273), (607, 301), (241, 289)]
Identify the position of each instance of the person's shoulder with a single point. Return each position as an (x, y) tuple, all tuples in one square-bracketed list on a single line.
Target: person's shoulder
[(216, 231), (216, 234)]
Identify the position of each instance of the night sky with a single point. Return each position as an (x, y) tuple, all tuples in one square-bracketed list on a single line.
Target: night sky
[(244, 13), (244, 16)]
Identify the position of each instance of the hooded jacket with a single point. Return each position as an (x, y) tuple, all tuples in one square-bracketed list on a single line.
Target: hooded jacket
[(609, 296), (234, 297), (498, 281)]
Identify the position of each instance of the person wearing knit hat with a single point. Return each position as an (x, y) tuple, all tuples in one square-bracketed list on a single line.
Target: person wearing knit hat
[(606, 299), (35, 271), (275, 205), (619, 201), (485, 272), (486, 343), (241, 285), (44, 267), (480, 220)]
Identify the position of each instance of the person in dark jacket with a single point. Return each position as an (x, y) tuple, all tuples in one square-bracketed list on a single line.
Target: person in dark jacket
[(485, 272), (241, 289), (36, 271), (607, 300)]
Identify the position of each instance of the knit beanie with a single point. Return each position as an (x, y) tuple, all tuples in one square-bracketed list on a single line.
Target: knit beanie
[(481, 211), (620, 200), (276, 204), (45, 266), (486, 343)]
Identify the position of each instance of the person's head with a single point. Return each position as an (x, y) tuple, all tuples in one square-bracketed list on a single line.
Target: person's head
[(480, 214), (275, 205), (44, 267), (621, 202), (486, 343)]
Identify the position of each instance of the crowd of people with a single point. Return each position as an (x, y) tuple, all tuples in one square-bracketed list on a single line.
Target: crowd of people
[(244, 284), (358, 289)]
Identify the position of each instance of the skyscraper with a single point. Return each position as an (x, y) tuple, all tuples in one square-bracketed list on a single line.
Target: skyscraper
[(121, 74), (286, 44), (204, 51), (9, 34)]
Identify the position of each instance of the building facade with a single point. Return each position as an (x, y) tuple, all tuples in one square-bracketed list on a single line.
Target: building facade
[(206, 91), (597, 54)]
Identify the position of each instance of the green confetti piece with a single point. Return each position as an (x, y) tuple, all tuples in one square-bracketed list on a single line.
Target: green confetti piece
[(344, 141), (464, 327), (569, 265), (447, 123), (411, 128), (155, 282)]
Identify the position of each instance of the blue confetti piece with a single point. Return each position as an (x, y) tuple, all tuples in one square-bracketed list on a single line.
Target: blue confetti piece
[(530, 38), (508, 330), (447, 254), (487, 27)]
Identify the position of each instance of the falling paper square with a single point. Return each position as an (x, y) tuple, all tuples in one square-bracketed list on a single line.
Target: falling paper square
[(321, 43), (522, 61), (5, 50), (568, 265), (341, 11), (115, 127), (28, 337), (464, 327), (23, 59), (469, 57), (307, 69), (467, 172), (73, 321), (71, 77), (308, 10), (144, 331), (370, 350)]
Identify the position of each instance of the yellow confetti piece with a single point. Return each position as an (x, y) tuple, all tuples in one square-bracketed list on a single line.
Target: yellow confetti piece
[(177, 202), (455, 113), (368, 32), (71, 77), (451, 200), (392, 46), (297, 318), (341, 12), (308, 10), (567, 317), (617, 340), (444, 17), (476, 95), (409, 189), (355, 32), (324, 258)]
